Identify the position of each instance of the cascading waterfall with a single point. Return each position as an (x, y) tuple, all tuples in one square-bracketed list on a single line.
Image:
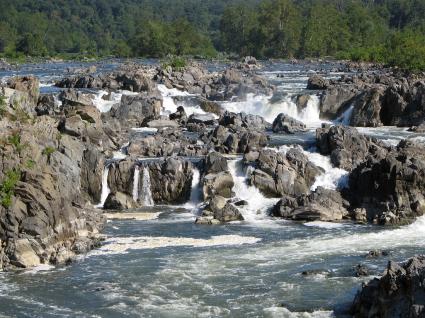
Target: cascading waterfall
[(105, 187), (196, 192), (333, 178), (261, 106), (146, 194), (258, 204), (168, 104), (136, 178), (104, 105), (345, 118)]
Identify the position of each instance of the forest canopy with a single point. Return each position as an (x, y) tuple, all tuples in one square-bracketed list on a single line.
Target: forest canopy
[(388, 31)]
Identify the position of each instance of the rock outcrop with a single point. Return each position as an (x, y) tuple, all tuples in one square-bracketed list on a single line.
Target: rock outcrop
[(399, 293), (287, 125), (277, 174), (390, 186), (346, 146), (320, 205)]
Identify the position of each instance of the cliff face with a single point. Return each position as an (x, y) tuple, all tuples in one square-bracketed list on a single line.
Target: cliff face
[(47, 176)]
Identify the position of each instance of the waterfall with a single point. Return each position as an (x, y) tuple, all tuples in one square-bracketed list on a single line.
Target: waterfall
[(105, 188), (147, 199), (345, 118), (260, 105), (333, 178), (258, 204), (136, 178), (104, 105), (196, 191)]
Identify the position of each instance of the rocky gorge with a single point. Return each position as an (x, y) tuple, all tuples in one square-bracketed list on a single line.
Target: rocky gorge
[(142, 137)]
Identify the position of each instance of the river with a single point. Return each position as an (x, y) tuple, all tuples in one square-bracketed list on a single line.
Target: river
[(167, 266)]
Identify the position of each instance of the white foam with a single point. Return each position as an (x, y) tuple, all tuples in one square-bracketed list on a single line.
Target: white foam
[(258, 204), (136, 178), (105, 187), (260, 105), (332, 178), (196, 191), (169, 106), (147, 199), (282, 312), (139, 216), (345, 118), (324, 225), (123, 245), (105, 105), (40, 268), (297, 250), (145, 130)]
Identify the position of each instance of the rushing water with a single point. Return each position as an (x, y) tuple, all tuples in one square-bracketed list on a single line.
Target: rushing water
[(171, 267)]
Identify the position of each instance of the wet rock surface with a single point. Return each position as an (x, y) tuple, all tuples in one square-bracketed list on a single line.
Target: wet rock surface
[(399, 293)]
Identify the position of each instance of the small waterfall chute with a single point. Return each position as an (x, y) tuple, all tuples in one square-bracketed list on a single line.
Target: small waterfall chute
[(146, 193), (136, 178), (105, 187), (261, 106), (258, 204), (345, 118), (196, 191)]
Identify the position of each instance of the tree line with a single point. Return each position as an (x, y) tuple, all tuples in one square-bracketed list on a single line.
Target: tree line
[(388, 31)]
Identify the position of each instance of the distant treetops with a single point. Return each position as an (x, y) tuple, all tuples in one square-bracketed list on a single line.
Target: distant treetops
[(387, 31)]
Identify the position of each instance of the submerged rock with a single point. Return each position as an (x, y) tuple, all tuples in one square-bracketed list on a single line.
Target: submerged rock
[(399, 293)]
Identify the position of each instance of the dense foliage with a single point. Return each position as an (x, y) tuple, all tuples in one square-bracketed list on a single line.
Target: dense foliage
[(390, 31)]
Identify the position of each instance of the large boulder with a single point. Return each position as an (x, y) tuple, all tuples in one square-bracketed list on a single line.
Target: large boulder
[(346, 146), (218, 184), (320, 205), (367, 108), (215, 163), (399, 293), (287, 125), (137, 110), (119, 201), (390, 187), (277, 174), (171, 180), (26, 84), (229, 140), (335, 100), (243, 120), (317, 82), (219, 210), (72, 97)]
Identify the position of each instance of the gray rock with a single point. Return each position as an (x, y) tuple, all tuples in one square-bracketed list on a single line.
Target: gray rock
[(119, 201), (317, 82), (320, 205), (287, 125), (399, 293)]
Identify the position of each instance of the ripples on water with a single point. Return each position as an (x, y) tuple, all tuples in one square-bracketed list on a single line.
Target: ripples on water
[(166, 266)]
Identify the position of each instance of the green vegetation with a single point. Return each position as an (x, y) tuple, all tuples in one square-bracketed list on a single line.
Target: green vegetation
[(15, 141), (7, 187), (48, 151), (387, 31), (175, 62), (3, 106)]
